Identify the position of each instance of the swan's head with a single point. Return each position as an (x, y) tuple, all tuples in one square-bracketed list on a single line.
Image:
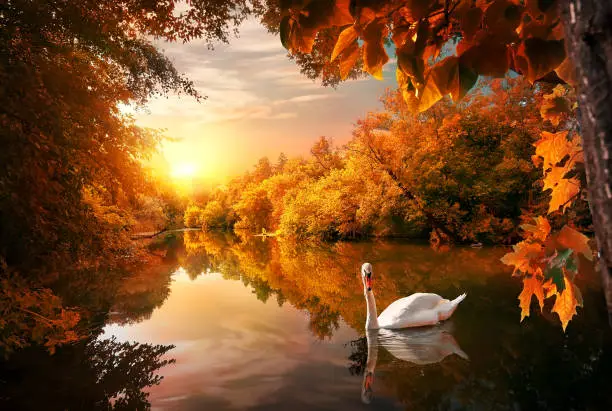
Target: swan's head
[(366, 388), (366, 275)]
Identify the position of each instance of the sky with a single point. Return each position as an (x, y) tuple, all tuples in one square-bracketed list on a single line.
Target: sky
[(259, 104)]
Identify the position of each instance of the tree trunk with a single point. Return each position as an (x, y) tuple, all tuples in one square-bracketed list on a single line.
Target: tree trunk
[(588, 36), (431, 219)]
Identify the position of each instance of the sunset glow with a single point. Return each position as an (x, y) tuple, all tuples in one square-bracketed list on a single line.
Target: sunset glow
[(184, 170), (258, 104)]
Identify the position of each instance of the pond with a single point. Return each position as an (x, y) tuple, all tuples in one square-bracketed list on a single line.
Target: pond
[(263, 324)]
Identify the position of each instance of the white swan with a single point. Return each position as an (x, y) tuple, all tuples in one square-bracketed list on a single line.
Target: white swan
[(416, 310), (419, 346)]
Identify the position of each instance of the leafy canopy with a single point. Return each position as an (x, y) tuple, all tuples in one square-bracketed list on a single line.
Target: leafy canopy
[(489, 39)]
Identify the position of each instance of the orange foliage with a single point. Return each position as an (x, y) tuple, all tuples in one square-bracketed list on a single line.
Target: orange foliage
[(524, 257), (548, 264), (531, 286), (566, 302), (462, 173), (494, 37)]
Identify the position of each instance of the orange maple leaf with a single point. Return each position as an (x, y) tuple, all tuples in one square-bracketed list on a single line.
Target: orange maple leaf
[(555, 106), (523, 258), (531, 286), (565, 190), (570, 238), (540, 230), (566, 303), (553, 147), (554, 176), (549, 288)]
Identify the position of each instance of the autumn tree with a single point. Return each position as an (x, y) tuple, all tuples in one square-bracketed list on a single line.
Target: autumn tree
[(325, 155), (72, 161), (254, 210), (213, 215), (442, 47), (464, 170), (193, 216), (280, 163)]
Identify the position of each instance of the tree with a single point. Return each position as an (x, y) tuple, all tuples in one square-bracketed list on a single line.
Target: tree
[(465, 169), (193, 217), (280, 163), (589, 40), (214, 215), (263, 170), (491, 38), (254, 210), (324, 155), (72, 161)]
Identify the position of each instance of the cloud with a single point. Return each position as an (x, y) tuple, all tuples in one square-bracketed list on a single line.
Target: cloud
[(305, 98), (254, 91), (309, 97)]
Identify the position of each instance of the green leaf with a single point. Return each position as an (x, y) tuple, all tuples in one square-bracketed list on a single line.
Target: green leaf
[(563, 255), (556, 274), (571, 264), (554, 270)]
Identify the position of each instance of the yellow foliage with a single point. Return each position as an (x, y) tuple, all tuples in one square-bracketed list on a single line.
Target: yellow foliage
[(563, 193), (193, 216), (553, 147)]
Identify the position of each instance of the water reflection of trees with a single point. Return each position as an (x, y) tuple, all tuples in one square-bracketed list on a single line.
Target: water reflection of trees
[(91, 375), (260, 265), (530, 366), (322, 278)]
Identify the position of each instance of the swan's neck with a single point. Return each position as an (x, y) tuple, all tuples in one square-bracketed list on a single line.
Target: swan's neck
[(372, 316)]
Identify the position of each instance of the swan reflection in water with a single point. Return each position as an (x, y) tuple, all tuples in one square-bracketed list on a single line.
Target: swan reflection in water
[(420, 346)]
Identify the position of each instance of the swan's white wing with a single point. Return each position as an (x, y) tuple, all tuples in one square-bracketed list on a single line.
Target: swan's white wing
[(404, 309)]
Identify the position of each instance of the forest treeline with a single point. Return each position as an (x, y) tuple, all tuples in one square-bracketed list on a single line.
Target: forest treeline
[(459, 172)]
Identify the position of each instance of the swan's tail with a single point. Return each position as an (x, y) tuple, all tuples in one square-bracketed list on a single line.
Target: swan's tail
[(461, 353), (457, 300), (449, 308)]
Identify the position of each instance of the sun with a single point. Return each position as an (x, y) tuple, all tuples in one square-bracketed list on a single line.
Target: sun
[(183, 170)]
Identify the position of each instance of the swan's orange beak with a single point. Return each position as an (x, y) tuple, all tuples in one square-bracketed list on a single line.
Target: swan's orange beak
[(369, 281)]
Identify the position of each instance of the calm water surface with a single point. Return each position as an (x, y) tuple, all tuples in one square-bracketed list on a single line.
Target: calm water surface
[(271, 325)]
